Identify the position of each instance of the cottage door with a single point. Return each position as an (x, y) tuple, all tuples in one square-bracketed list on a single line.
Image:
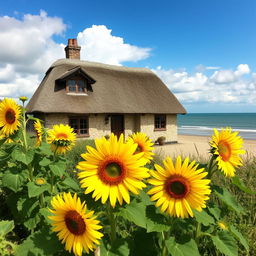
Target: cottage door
[(117, 124)]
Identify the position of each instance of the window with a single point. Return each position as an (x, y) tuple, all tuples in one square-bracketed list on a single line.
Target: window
[(160, 122), (80, 125), (76, 85)]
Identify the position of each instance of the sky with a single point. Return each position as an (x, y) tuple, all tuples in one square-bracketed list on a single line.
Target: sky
[(203, 50)]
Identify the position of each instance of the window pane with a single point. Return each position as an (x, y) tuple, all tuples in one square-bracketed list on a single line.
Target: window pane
[(71, 85), (74, 124), (81, 85), (83, 126), (160, 121)]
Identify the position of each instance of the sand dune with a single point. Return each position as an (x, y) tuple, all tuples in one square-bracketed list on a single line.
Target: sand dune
[(198, 146)]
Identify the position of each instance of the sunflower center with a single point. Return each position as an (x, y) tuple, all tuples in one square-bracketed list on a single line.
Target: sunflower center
[(112, 171), (10, 116), (224, 150), (75, 223), (62, 136), (138, 149), (177, 187)]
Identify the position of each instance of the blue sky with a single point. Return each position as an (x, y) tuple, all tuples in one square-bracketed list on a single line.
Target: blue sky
[(203, 50)]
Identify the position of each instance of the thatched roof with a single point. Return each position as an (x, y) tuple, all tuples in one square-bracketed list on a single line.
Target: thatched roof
[(115, 89)]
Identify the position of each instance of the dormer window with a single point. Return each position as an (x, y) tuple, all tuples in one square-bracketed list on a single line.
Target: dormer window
[(75, 81), (76, 86)]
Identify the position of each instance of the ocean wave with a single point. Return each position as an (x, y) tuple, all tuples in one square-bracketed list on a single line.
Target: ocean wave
[(206, 128)]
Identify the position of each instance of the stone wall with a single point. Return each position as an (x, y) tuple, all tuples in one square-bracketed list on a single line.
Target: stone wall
[(99, 127), (148, 125), (52, 119)]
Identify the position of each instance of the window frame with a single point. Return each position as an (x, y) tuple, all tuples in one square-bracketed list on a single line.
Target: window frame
[(76, 79), (78, 118), (158, 123)]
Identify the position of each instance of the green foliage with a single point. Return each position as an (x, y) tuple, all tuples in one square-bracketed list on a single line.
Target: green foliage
[(6, 247), (226, 197), (40, 243), (30, 176), (225, 243), (6, 227), (184, 248)]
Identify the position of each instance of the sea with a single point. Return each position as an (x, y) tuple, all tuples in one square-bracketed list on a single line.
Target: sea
[(203, 124)]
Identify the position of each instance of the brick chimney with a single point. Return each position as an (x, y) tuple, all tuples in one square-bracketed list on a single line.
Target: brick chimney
[(72, 49)]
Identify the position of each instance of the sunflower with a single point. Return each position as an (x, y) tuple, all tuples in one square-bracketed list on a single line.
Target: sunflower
[(39, 132), (62, 138), (222, 225), (144, 144), (6, 139), (76, 227), (226, 147), (9, 116), (112, 170), (179, 188)]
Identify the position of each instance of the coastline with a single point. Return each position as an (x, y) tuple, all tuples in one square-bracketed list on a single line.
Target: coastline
[(197, 146)]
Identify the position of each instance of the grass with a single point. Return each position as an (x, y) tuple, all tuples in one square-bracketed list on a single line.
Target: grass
[(74, 156)]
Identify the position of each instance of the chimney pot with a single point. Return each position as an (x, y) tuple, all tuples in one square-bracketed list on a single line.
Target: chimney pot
[(72, 49)]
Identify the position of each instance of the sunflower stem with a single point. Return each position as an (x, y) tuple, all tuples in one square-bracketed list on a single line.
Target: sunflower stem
[(164, 248), (55, 156), (41, 200), (24, 132), (24, 128), (210, 167), (112, 222), (197, 233)]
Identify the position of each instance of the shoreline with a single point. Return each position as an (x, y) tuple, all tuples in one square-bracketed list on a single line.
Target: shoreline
[(197, 146)]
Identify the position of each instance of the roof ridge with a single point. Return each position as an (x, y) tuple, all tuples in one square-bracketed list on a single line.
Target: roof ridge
[(83, 63)]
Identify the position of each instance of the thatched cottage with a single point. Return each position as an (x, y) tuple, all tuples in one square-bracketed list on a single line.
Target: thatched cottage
[(97, 99)]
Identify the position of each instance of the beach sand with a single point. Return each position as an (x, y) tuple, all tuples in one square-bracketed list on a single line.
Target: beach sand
[(198, 147)]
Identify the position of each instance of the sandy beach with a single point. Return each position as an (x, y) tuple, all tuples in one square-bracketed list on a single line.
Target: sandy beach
[(198, 146)]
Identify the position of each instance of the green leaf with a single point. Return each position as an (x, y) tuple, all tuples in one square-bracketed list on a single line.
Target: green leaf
[(20, 156), (215, 211), (69, 182), (226, 197), (119, 248), (144, 197), (188, 248), (203, 217), (45, 149), (4, 157), (225, 243), (155, 222), (134, 212), (45, 213), (40, 243), (27, 206), (58, 169), (35, 190), (6, 226), (45, 162), (240, 184), (239, 237), (31, 223), (13, 181)]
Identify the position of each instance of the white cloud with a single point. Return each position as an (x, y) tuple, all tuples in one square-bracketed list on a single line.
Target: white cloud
[(242, 69), (98, 44), (202, 68), (230, 76), (224, 86), (27, 49)]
